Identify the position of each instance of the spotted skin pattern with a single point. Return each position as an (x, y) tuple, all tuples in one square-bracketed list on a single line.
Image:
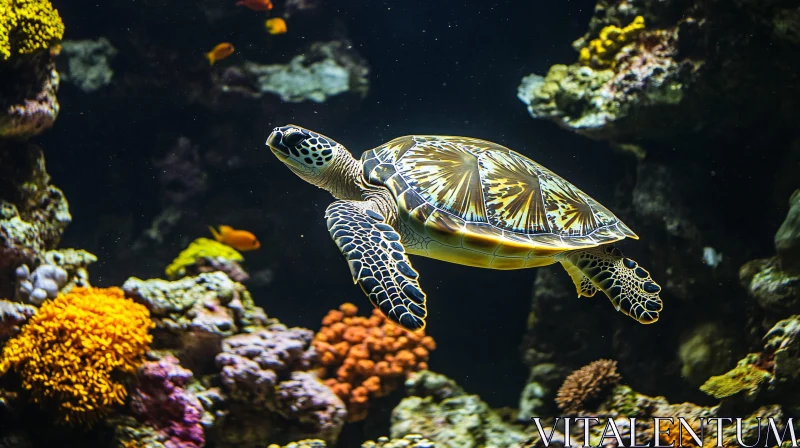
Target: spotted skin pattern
[(378, 262), (627, 285)]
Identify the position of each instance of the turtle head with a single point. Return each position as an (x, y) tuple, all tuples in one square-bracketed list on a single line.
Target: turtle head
[(318, 160), (305, 152)]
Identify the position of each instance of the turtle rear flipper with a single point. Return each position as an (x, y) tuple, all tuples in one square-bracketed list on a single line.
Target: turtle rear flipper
[(627, 284), (378, 261)]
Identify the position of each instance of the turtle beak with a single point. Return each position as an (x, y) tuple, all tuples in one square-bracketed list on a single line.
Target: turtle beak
[(275, 143)]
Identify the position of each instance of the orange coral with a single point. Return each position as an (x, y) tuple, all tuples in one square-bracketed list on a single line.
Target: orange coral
[(77, 347), (367, 357)]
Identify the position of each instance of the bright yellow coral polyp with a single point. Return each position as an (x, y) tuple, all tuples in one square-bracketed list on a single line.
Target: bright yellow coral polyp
[(27, 26), (601, 51), (68, 352)]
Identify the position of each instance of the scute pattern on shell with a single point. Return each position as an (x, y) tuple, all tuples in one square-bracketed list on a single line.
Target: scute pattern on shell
[(483, 182)]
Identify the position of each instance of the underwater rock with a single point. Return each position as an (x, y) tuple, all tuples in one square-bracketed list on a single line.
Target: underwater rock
[(251, 363), (33, 213), (432, 384), (745, 378), (75, 262), (538, 395), (207, 255), (705, 350), (194, 314), (691, 62), (409, 441), (324, 70), (775, 369), (28, 103), (306, 400), (12, 316), (460, 421), (772, 288), (782, 346), (787, 238), (87, 63), (265, 375), (775, 282), (307, 443), (161, 401)]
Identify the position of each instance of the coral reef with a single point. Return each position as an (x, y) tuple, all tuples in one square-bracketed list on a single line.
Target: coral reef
[(194, 314), (307, 443), (459, 420), (746, 377), (87, 63), (43, 283), (586, 384), (600, 52), (366, 358), (161, 401), (33, 213), (251, 363), (70, 353), (30, 25), (12, 317), (266, 370), (62, 270), (665, 81), (326, 69), (203, 253), (409, 441)]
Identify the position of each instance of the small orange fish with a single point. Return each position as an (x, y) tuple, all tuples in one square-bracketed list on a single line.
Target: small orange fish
[(276, 26), (256, 5), (238, 239), (220, 52)]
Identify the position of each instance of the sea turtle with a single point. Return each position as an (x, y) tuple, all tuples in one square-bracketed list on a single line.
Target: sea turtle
[(466, 201)]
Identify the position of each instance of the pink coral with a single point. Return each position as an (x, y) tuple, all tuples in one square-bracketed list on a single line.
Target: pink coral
[(162, 402)]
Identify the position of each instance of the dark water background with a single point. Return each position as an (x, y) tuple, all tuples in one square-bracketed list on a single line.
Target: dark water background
[(442, 67)]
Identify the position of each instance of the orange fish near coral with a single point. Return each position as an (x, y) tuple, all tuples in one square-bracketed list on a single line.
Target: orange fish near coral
[(256, 5), (276, 26), (238, 239), (219, 52)]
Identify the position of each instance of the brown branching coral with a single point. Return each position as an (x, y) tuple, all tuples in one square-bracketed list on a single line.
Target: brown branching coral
[(586, 384)]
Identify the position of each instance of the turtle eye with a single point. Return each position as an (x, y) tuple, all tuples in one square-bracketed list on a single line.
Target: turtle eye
[(294, 139)]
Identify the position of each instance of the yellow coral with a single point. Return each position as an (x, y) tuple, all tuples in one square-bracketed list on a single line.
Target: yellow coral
[(201, 248), (27, 26), (70, 353), (601, 51)]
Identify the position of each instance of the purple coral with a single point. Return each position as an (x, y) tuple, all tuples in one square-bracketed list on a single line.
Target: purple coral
[(161, 401), (267, 370), (251, 362), (306, 399)]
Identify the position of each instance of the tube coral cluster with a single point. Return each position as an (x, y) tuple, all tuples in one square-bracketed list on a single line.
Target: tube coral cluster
[(367, 357), (601, 51), (69, 355), (27, 26)]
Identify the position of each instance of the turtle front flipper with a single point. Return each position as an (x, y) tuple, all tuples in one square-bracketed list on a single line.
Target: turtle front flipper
[(627, 284), (378, 261)]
